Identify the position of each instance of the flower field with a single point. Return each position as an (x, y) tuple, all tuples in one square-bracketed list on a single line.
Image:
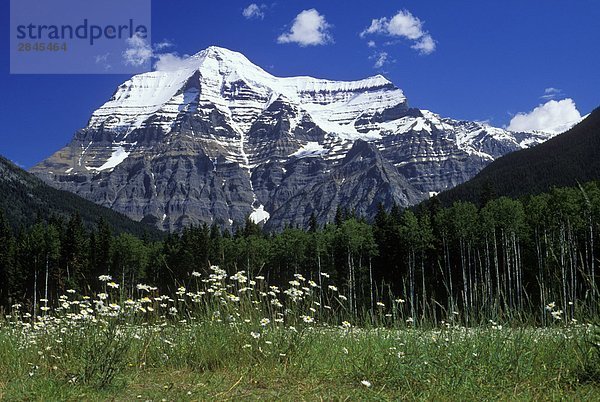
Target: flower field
[(236, 337)]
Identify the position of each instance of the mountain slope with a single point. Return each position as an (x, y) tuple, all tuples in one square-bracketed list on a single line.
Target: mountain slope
[(362, 181), (220, 139), (565, 160), (24, 199)]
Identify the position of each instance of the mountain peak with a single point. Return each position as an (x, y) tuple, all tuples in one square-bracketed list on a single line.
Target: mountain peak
[(222, 75), (380, 77), (215, 136), (218, 50), (230, 58)]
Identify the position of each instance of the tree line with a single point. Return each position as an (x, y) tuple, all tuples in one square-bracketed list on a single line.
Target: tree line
[(509, 258)]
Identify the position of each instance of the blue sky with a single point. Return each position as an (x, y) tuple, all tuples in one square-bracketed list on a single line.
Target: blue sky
[(478, 60)]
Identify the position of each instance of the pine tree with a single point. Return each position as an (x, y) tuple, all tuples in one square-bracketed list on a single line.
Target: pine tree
[(313, 226), (74, 255), (102, 249)]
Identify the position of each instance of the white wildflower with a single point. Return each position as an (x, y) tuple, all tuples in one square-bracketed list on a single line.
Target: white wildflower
[(307, 319)]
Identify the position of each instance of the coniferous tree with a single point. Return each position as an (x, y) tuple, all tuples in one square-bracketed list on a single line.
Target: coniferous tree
[(215, 252), (101, 260), (74, 255)]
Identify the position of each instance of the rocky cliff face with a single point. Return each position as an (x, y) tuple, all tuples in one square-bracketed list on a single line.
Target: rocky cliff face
[(221, 139)]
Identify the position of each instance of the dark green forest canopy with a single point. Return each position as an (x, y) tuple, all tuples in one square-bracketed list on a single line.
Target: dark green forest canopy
[(509, 258)]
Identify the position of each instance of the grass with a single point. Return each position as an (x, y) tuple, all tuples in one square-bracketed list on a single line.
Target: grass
[(211, 345), (210, 361)]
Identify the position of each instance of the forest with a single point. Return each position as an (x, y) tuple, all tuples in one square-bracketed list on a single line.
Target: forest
[(532, 259)]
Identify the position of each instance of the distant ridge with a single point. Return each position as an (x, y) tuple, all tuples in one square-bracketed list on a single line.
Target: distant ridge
[(565, 160), (25, 199)]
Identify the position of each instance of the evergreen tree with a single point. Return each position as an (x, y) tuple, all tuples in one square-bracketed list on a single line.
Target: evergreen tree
[(313, 226), (251, 228), (74, 255), (215, 252), (102, 249)]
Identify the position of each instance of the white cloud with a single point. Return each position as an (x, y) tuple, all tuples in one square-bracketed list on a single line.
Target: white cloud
[(425, 45), (371, 43), (103, 60), (381, 59), (403, 25), (309, 28), (552, 117), (165, 44), (254, 11), (138, 51), (552, 93), (172, 62)]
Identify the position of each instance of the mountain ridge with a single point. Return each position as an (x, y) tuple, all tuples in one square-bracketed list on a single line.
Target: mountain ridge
[(26, 199), (220, 139), (567, 160)]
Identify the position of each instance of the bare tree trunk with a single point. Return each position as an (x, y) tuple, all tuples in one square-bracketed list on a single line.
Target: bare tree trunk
[(320, 279), (411, 283), (518, 272), (465, 281), (371, 287), (424, 296), (46, 286), (496, 264), (563, 270), (35, 279), (488, 275), (470, 276), (449, 270), (540, 275), (594, 302)]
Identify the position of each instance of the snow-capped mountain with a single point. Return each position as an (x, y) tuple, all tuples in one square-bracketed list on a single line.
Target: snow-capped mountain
[(220, 139)]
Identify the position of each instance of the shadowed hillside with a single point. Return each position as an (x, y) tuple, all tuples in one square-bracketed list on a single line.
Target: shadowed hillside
[(24, 199), (566, 160)]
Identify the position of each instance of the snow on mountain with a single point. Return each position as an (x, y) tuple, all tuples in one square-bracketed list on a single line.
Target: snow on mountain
[(225, 76), (310, 149), (222, 139), (259, 215), (242, 90), (118, 156)]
